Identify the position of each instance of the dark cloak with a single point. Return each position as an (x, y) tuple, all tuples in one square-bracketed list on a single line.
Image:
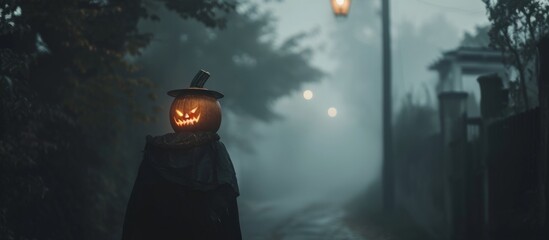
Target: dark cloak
[(186, 188)]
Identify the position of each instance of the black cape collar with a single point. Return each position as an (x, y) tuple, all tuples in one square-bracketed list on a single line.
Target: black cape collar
[(182, 140)]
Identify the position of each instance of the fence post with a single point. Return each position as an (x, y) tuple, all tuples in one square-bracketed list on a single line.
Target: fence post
[(494, 103), (543, 96), (453, 116), (494, 99)]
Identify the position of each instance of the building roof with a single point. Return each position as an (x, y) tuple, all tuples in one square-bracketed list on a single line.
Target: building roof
[(467, 55)]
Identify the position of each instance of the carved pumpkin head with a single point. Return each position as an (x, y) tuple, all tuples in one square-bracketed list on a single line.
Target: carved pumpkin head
[(195, 108)]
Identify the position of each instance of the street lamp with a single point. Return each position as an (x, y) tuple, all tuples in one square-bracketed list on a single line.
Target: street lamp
[(341, 7)]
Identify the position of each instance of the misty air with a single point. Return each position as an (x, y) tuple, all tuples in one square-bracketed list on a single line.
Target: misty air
[(274, 119)]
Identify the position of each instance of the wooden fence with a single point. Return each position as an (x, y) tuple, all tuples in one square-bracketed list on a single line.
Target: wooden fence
[(512, 159)]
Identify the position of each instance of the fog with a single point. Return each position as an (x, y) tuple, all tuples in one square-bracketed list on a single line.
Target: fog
[(342, 155), (288, 152), (84, 83), (307, 154)]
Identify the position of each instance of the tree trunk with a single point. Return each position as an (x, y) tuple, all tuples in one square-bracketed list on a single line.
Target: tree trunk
[(523, 89), (3, 92), (543, 96)]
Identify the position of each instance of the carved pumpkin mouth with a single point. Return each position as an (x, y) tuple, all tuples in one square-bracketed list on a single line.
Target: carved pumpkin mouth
[(187, 119)]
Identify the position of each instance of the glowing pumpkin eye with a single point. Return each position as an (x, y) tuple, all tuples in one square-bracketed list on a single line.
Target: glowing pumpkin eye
[(194, 110), (179, 113)]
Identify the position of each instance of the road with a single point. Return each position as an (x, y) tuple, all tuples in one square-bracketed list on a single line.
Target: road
[(293, 219)]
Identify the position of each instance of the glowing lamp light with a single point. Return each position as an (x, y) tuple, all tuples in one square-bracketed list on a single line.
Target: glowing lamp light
[(341, 7), (308, 94), (332, 112)]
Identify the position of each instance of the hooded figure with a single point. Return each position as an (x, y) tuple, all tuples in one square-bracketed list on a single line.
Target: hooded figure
[(186, 187)]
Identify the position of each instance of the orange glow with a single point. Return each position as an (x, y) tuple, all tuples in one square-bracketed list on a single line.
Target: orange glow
[(189, 119), (341, 7), (186, 122)]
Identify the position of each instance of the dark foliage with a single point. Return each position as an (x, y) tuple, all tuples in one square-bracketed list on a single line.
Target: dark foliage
[(414, 121), (76, 83), (517, 26), (65, 84)]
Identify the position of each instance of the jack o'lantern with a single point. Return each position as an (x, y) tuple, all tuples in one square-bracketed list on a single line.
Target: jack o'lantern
[(195, 108)]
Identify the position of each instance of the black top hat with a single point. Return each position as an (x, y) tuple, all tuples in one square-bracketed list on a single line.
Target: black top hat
[(197, 87)]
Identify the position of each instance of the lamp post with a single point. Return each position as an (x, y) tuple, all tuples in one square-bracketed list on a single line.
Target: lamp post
[(341, 8)]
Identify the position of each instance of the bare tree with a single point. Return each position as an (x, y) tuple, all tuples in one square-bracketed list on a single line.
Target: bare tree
[(517, 26)]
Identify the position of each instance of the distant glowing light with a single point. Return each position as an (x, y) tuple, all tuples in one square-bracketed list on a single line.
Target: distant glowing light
[(340, 2), (332, 112), (308, 94)]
